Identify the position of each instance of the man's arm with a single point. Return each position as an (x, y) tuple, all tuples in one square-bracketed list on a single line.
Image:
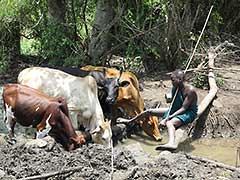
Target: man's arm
[(156, 111), (188, 101)]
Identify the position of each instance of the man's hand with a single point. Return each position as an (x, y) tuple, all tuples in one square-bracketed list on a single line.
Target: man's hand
[(164, 121)]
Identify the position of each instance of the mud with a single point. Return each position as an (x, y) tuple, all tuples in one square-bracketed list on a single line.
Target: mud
[(29, 157), (94, 162)]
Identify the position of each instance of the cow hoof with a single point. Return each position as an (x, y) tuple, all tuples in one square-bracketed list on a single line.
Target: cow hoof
[(12, 141)]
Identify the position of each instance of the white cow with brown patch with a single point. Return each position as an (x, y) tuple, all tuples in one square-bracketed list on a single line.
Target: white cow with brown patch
[(80, 94)]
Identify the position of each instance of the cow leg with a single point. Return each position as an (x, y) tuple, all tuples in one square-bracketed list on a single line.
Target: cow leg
[(63, 106), (10, 123), (57, 117), (11, 135), (44, 127)]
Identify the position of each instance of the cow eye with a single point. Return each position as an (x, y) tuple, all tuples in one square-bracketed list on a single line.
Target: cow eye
[(124, 83)]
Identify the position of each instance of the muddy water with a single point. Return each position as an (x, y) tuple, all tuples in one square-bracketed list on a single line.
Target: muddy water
[(221, 150)]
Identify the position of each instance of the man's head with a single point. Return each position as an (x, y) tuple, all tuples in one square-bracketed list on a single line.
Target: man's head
[(177, 77)]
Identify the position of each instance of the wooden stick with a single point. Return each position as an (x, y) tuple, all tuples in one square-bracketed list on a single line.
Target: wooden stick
[(64, 171)]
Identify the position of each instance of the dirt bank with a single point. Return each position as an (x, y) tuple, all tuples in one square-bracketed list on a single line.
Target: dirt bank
[(94, 162)]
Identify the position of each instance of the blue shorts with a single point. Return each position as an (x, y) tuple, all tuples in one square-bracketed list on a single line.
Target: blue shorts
[(186, 117)]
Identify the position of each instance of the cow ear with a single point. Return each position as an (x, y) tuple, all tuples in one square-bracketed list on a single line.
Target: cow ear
[(124, 83), (108, 121)]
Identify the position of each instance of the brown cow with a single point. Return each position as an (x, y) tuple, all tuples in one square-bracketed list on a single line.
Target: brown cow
[(28, 106), (80, 94), (130, 99)]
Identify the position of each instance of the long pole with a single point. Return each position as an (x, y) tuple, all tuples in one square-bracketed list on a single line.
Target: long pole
[(190, 59)]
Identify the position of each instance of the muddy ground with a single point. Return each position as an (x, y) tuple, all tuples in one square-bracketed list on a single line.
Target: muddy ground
[(47, 160)]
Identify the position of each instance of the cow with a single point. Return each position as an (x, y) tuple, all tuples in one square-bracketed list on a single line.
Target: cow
[(107, 91), (129, 98), (80, 94), (30, 107)]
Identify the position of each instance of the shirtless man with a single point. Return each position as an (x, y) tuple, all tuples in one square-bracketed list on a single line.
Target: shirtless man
[(184, 108), (183, 111)]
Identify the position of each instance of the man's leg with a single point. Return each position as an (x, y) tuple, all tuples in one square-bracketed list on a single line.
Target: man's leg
[(144, 114), (171, 145)]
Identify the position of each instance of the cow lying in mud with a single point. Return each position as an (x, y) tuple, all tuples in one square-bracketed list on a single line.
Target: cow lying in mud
[(80, 94), (30, 107)]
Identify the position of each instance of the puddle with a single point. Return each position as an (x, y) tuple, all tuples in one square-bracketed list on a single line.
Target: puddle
[(221, 150)]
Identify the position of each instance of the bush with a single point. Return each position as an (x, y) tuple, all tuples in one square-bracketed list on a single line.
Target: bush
[(200, 81)]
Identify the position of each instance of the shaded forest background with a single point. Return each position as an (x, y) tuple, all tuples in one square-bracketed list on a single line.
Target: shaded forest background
[(142, 34)]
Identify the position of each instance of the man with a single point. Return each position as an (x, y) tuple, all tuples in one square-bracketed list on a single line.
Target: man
[(183, 110)]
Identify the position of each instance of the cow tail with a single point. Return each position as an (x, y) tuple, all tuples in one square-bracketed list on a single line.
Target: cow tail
[(1, 90), (4, 106)]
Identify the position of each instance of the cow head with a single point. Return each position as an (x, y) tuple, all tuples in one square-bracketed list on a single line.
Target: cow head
[(112, 86), (103, 134), (107, 87), (63, 132), (150, 126)]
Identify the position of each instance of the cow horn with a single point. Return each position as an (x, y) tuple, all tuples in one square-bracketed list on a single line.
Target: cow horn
[(120, 74), (98, 129), (104, 71)]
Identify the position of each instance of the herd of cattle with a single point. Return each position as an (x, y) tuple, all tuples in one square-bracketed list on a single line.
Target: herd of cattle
[(58, 101)]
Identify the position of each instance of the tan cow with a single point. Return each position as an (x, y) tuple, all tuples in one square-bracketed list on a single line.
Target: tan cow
[(130, 99)]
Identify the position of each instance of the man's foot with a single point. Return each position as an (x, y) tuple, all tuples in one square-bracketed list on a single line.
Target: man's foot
[(168, 147)]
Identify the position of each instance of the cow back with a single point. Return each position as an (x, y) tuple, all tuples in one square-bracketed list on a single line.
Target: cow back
[(80, 93)]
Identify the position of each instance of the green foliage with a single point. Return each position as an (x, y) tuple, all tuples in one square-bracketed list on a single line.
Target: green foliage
[(136, 26), (159, 29), (200, 81), (54, 43), (29, 46), (220, 81), (133, 64), (74, 61), (12, 10), (133, 57)]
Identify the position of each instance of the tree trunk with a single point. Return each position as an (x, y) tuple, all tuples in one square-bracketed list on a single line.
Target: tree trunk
[(10, 42), (14, 43), (57, 10), (100, 39)]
